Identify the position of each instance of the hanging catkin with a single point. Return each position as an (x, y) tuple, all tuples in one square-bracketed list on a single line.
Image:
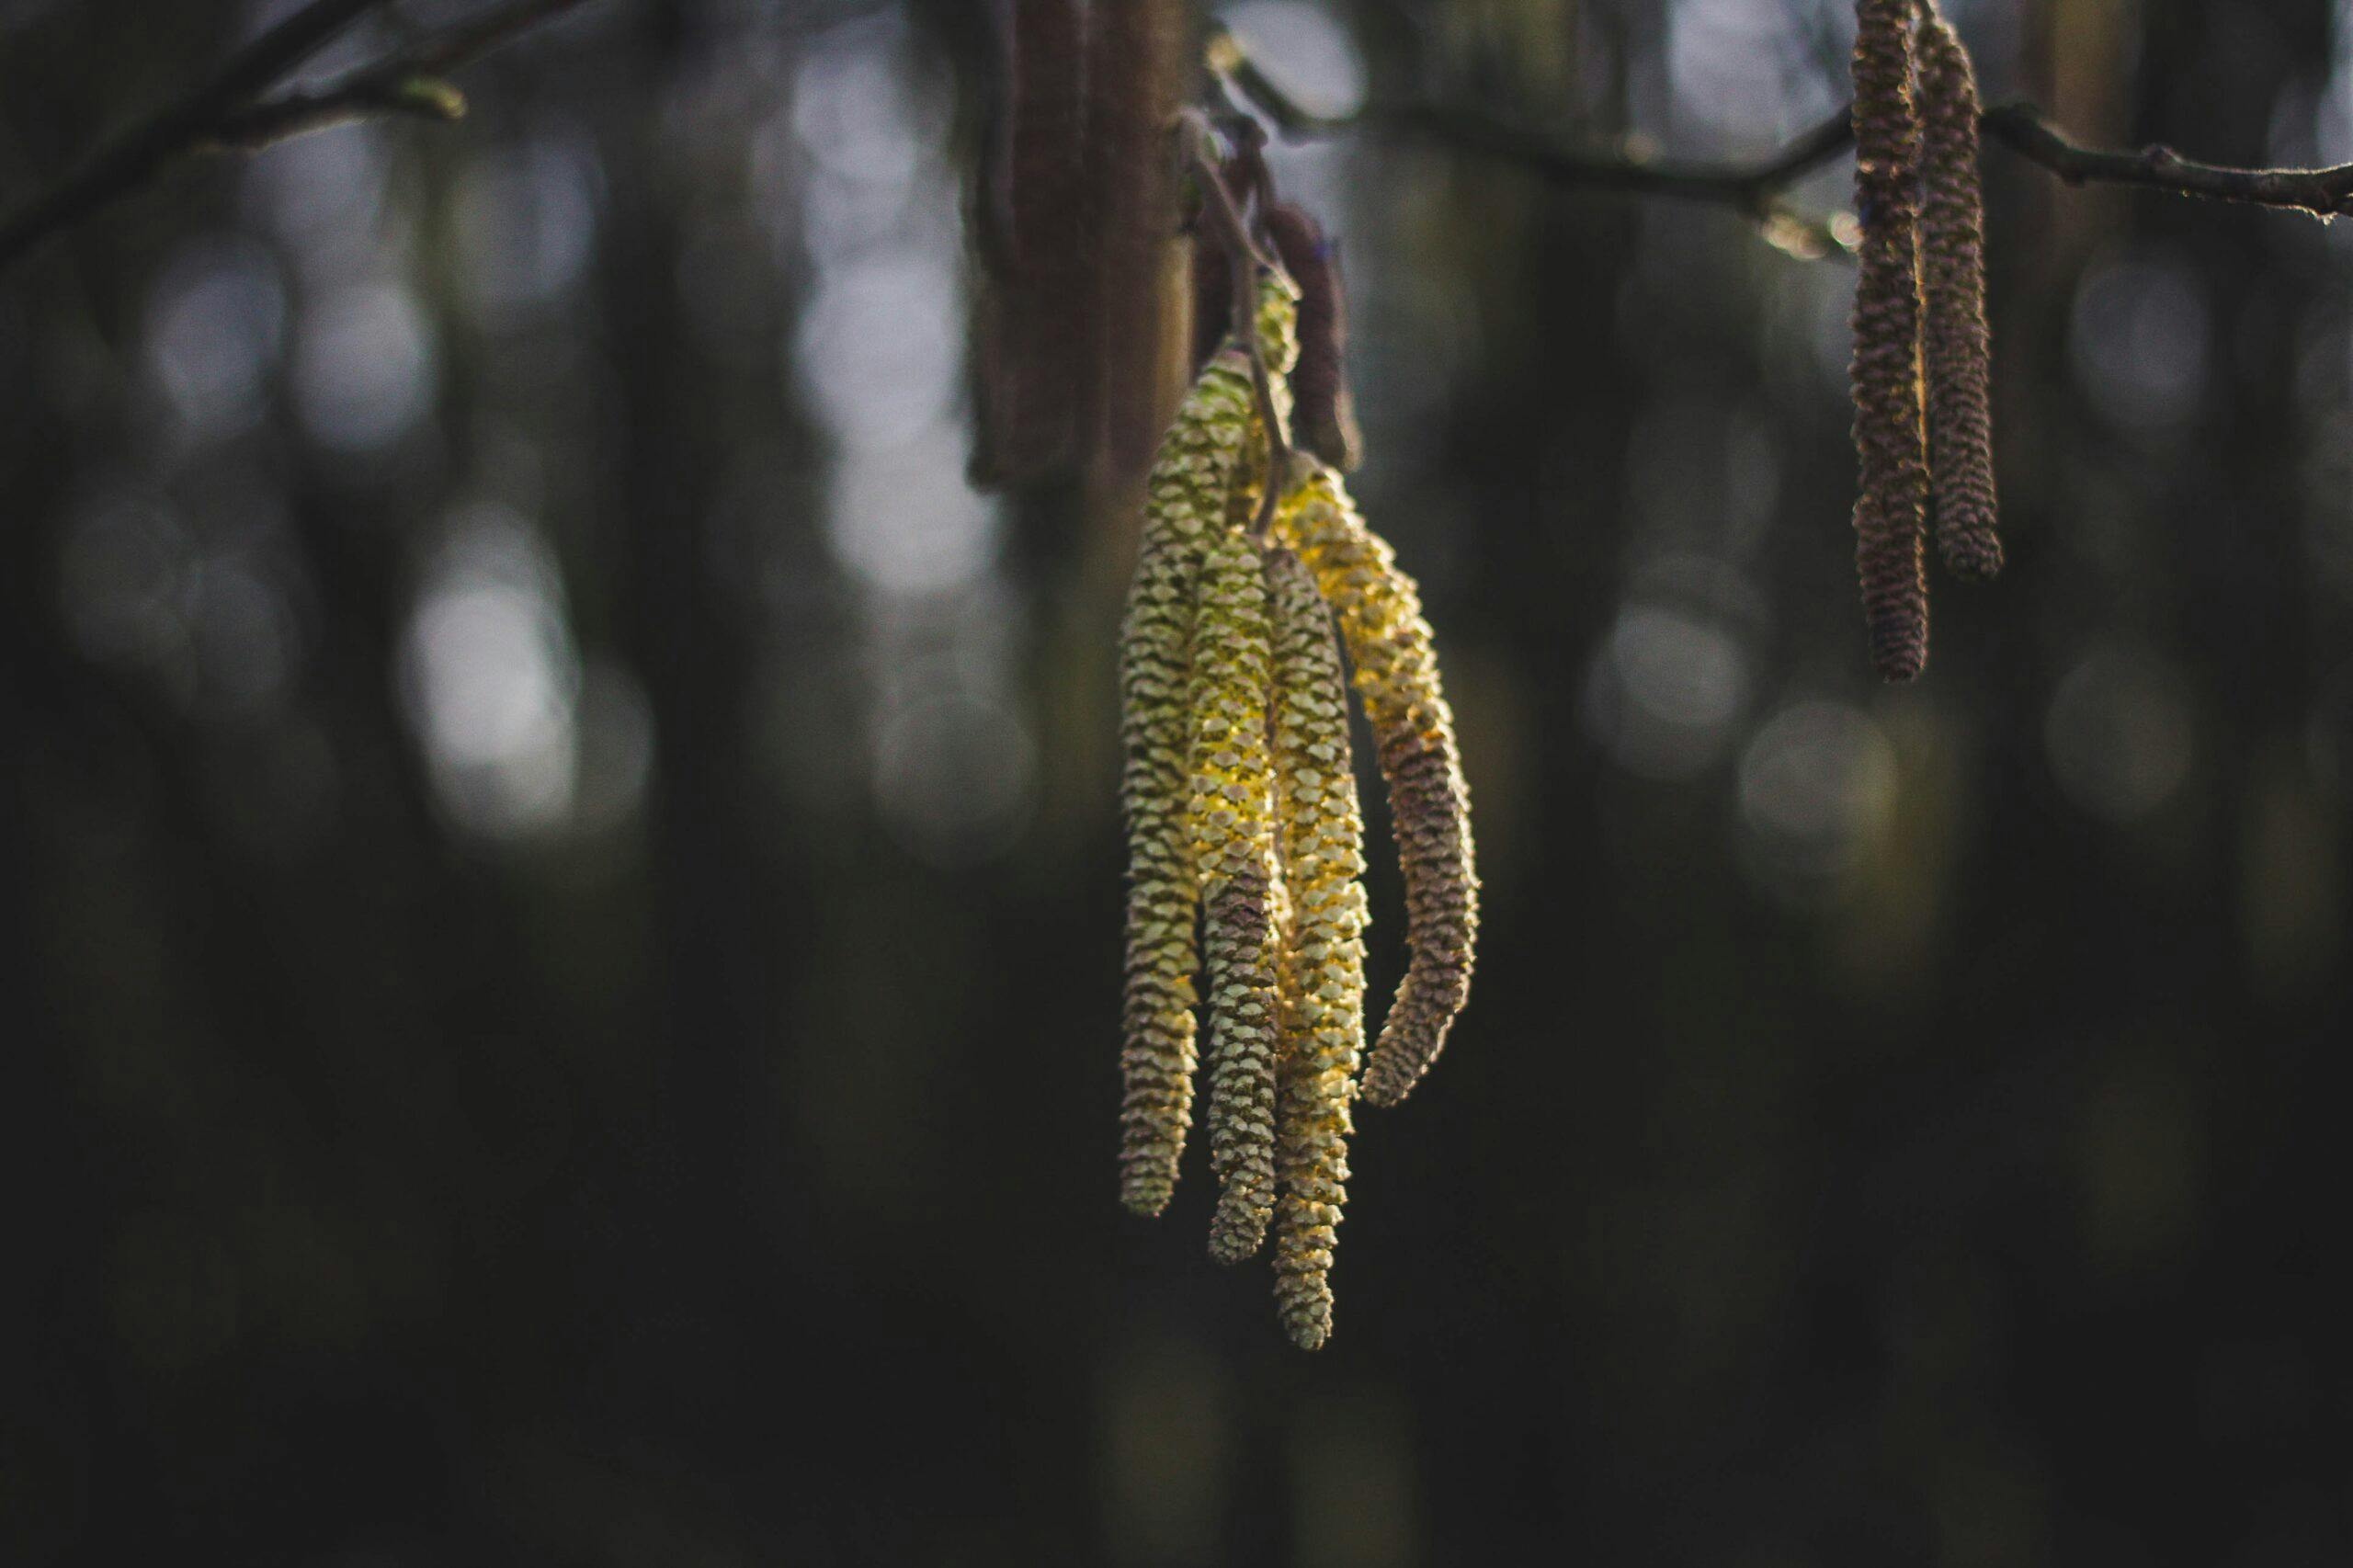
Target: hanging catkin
[(1889, 435), (1046, 85), (1186, 499), (1241, 801), (1232, 817), (1956, 348), (1327, 415), (1136, 69), (1321, 837), (1277, 324), (1396, 674)]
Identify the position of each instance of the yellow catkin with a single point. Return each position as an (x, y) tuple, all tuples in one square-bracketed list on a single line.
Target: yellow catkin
[(1320, 837), (1185, 504), (1232, 824), (1396, 675), (1277, 328)]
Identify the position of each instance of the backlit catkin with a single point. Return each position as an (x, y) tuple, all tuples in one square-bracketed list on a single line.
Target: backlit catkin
[(1277, 324), (1889, 437), (1232, 818), (1321, 839), (1185, 500), (1241, 803), (1955, 346), (1396, 675)]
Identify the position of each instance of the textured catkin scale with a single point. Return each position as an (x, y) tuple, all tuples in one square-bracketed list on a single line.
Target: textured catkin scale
[(1327, 415), (1244, 1020), (1232, 818), (1397, 675), (1890, 431), (1955, 346), (1320, 836), (1184, 503)]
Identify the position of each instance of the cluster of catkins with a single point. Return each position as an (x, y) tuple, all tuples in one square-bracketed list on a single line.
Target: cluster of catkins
[(1921, 351), (1241, 804)]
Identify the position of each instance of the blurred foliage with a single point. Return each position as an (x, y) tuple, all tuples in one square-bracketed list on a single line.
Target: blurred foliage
[(566, 873)]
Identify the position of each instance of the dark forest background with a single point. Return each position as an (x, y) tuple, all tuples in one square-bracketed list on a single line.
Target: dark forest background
[(562, 876)]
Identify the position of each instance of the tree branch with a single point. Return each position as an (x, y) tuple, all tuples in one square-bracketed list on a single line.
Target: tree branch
[(407, 83), (228, 110), (1756, 188)]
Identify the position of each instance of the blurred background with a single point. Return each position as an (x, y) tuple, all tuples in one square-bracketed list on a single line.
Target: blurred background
[(565, 880)]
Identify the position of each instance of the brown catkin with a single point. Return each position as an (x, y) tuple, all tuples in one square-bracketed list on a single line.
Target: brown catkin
[(1185, 502), (1232, 819), (1955, 346), (1396, 675), (1326, 410), (1212, 297), (1890, 433), (1045, 166), (1320, 836), (1137, 55)]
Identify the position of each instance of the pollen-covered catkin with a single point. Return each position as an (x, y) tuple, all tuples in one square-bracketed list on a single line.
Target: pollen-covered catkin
[(1320, 836), (1396, 674), (1232, 818), (1277, 324), (1889, 435), (1186, 499), (1955, 346)]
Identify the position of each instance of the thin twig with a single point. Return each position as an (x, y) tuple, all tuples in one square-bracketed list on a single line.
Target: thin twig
[(228, 110), (2324, 193), (1754, 187), (1243, 260), (409, 82), (132, 157)]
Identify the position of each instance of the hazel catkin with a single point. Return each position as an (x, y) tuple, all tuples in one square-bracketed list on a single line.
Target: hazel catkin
[(1185, 500), (1321, 839), (1890, 437), (1328, 414), (1955, 346), (1396, 675), (1231, 821)]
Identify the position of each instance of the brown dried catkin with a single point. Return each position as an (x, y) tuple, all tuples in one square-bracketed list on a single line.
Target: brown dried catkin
[(1956, 348), (1327, 413), (1135, 74), (1047, 87), (1890, 432)]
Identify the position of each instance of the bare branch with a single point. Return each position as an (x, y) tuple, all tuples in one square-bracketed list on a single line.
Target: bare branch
[(228, 111), (1756, 188), (2020, 127), (408, 83)]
